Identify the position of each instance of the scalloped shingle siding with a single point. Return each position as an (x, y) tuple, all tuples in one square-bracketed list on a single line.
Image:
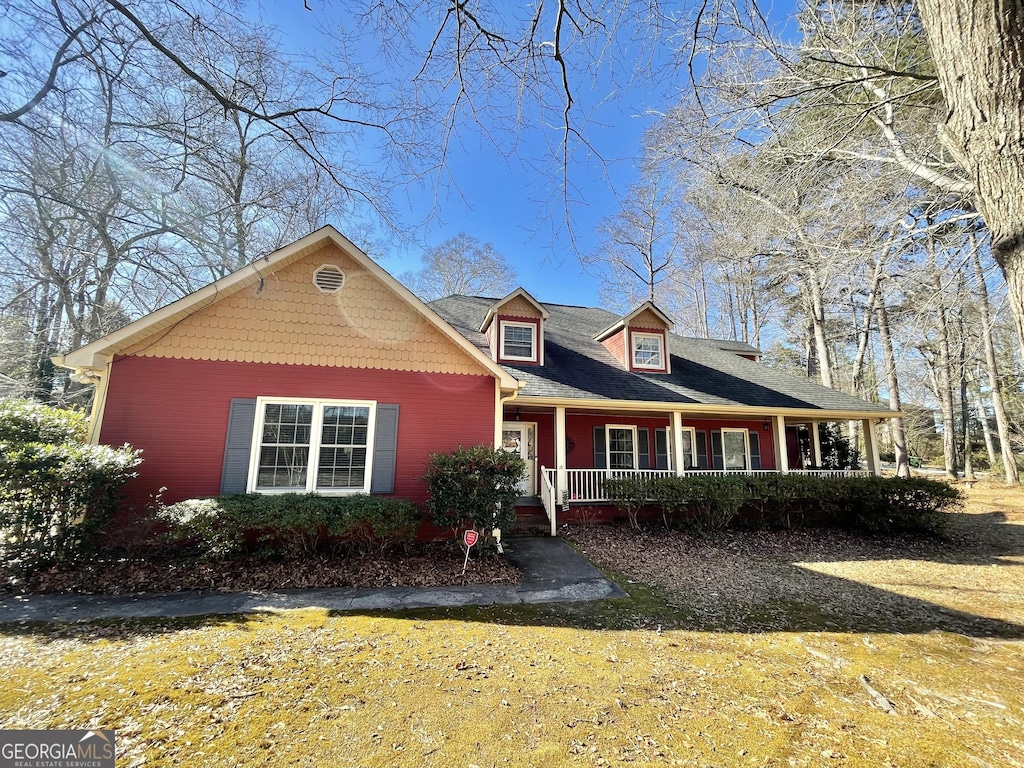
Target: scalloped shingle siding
[(364, 325), (518, 307)]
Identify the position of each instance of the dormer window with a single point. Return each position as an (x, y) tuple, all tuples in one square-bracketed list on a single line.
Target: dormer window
[(518, 341), (648, 351), (514, 328)]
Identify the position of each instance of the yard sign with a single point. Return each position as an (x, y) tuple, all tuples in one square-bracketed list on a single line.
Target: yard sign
[(470, 537)]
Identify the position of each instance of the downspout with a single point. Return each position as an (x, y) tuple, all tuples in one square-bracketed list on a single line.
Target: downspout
[(499, 412), (499, 417)]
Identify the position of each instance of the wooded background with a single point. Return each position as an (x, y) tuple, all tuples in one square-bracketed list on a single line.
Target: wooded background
[(822, 187)]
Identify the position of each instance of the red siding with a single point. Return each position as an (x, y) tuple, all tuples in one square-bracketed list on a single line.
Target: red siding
[(177, 410), (580, 428), (616, 344), (765, 441)]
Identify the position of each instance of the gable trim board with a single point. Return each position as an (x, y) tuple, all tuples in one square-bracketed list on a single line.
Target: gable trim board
[(95, 356)]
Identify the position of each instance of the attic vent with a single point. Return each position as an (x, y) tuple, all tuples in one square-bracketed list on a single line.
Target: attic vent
[(329, 279)]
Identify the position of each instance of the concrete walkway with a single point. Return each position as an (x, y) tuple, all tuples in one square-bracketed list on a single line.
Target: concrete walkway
[(552, 572)]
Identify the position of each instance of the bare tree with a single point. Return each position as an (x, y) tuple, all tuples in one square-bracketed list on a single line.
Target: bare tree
[(327, 114), (462, 265), (639, 246)]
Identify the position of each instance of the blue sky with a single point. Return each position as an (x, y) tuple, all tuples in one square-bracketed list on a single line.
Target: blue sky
[(507, 200)]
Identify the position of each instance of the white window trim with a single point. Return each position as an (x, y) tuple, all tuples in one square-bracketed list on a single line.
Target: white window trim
[(746, 447), (503, 324), (316, 430), (608, 445), (636, 336)]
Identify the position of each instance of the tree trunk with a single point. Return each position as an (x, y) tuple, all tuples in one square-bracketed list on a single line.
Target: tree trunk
[(965, 406), (992, 371), (816, 315), (986, 430), (899, 436), (978, 49)]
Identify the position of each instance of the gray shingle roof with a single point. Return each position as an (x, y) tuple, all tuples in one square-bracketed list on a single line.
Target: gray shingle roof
[(578, 367)]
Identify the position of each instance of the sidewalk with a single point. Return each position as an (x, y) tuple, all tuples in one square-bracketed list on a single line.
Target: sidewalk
[(552, 572)]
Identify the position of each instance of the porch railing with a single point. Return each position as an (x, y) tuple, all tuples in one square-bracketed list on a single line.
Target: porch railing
[(547, 496), (587, 485)]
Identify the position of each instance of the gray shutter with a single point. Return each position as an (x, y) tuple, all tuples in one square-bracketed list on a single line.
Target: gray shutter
[(385, 449), (755, 450), (702, 449), (234, 476), (599, 462), (643, 437), (718, 460), (661, 449)]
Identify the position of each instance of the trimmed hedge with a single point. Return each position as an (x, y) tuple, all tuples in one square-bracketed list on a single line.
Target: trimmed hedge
[(706, 503), (291, 524), (56, 492)]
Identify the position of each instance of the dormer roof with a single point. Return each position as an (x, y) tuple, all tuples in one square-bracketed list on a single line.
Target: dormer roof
[(520, 293), (625, 320)]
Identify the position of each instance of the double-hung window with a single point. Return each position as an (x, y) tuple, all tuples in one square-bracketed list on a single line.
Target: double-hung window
[(621, 446), (518, 341), (648, 351), (731, 449), (312, 445)]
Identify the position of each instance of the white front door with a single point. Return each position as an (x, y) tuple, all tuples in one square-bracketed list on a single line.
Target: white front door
[(518, 437)]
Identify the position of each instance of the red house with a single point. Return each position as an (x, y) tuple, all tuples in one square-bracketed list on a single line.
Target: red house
[(314, 370)]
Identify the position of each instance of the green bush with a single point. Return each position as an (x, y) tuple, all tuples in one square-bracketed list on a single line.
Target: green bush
[(27, 421), (290, 524), (710, 503), (891, 505), (56, 492), (779, 501), (630, 494), (714, 501), (474, 488)]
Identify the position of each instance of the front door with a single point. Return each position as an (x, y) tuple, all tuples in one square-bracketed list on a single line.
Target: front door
[(518, 437)]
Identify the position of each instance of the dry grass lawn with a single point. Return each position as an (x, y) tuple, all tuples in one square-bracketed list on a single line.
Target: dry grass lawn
[(831, 652)]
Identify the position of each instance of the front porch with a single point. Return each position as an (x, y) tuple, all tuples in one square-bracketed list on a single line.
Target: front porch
[(586, 486), (570, 453)]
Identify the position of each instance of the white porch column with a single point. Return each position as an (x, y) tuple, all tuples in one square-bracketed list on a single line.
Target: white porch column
[(871, 446), (781, 450), (561, 475), (815, 445), (677, 442)]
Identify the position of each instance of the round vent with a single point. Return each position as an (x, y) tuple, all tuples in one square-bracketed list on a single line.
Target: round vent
[(329, 279)]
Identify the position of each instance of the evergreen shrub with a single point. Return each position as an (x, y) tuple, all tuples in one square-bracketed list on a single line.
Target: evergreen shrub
[(710, 503), (56, 491), (289, 524), (474, 488)]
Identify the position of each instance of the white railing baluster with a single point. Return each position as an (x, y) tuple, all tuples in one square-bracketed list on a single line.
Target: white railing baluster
[(587, 485)]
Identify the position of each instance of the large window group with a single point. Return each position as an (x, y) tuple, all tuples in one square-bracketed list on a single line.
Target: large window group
[(314, 445)]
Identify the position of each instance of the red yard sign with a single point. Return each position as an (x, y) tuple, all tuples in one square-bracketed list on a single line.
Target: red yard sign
[(470, 537)]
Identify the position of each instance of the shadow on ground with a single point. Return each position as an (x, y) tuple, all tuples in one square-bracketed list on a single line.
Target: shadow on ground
[(774, 581)]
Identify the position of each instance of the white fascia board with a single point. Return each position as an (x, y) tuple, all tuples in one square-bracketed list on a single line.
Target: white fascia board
[(98, 353), (738, 411)]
